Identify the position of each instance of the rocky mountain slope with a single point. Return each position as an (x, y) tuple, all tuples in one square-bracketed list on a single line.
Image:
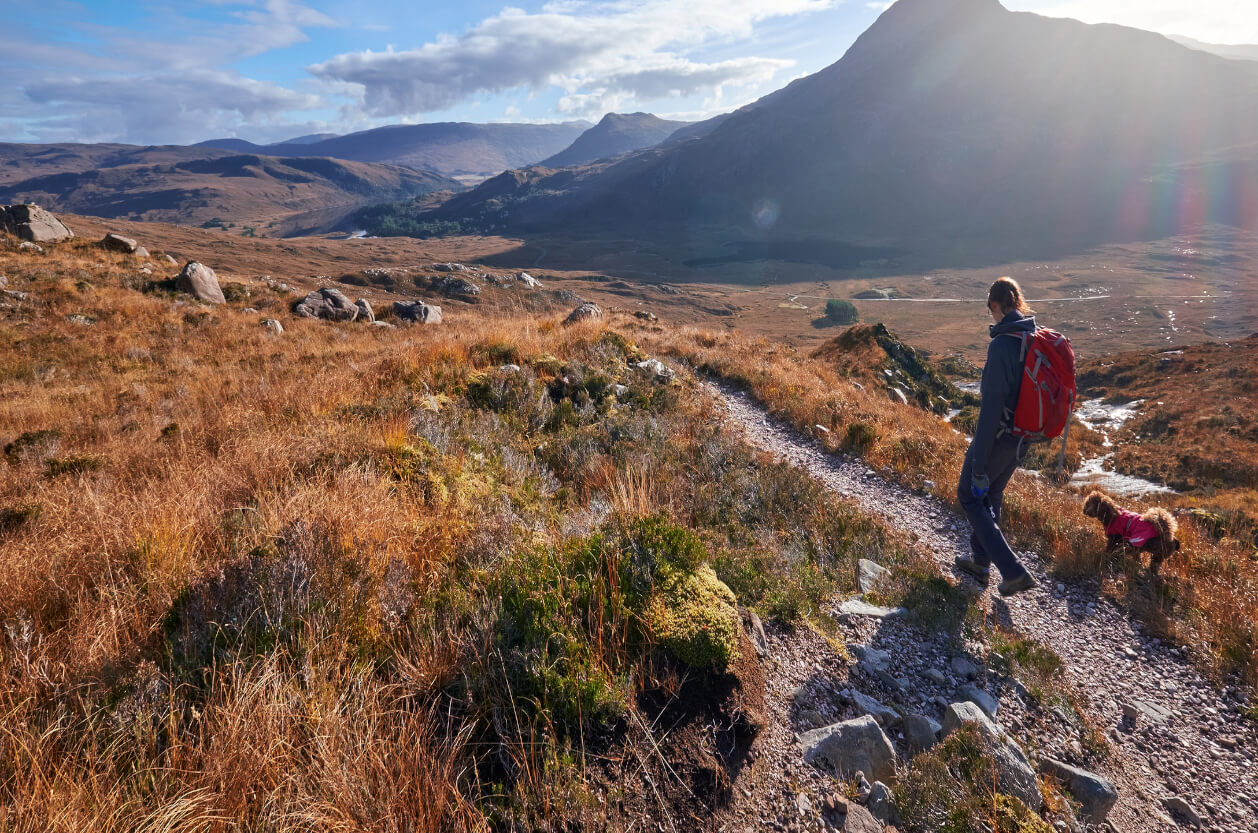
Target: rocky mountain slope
[(952, 129), (451, 148), (266, 193), (616, 133)]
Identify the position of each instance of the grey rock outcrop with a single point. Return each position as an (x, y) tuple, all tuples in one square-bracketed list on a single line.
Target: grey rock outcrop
[(871, 576), (1179, 807), (860, 820), (852, 746), (587, 311), (1017, 778), (920, 732), (417, 312), (327, 303), (28, 246), (1096, 795), (30, 222), (885, 715), (117, 243), (200, 281), (979, 697), (365, 312), (528, 280), (881, 804), (855, 608), (456, 287), (963, 668)]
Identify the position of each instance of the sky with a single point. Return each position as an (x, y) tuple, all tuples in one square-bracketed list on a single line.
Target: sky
[(162, 72)]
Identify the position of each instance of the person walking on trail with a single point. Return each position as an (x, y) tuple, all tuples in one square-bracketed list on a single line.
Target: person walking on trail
[(995, 453)]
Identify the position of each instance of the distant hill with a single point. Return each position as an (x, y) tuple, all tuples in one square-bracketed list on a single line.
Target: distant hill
[(951, 130), (1236, 52), (616, 133), (245, 190), (451, 148)]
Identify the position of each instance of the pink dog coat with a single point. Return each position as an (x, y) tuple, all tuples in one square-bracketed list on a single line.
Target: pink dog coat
[(1134, 529)]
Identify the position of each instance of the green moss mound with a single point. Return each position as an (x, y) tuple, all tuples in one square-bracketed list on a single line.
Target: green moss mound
[(695, 616)]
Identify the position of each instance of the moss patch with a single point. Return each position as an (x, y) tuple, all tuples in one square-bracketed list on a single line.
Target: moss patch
[(695, 616)]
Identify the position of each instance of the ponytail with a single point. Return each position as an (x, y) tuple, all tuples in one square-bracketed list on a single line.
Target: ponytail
[(1007, 293)]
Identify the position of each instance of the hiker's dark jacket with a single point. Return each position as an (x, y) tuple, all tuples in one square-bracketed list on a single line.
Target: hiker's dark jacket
[(999, 388)]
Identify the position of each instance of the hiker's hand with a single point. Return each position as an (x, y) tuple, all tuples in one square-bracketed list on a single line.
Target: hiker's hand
[(980, 485)]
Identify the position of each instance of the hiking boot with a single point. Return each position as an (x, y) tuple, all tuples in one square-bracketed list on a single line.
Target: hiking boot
[(1014, 586), (978, 571)]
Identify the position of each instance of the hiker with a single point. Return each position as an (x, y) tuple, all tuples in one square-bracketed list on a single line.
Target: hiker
[(995, 452)]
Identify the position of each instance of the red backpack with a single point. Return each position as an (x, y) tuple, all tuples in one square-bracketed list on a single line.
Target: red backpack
[(1046, 394)]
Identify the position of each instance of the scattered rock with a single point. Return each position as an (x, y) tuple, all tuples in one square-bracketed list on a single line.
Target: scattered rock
[(384, 325), (32, 223), (860, 820), (4, 282), (1095, 794), (274, 326), (587, 311), (450, 267), (170, 260), (843, 749), (885, 715), (935, 676), (881, 804), (141, 252), (365, 313), (117, 243), (871, 576), (646, 315), (28, 246), (660, 371), (964, 669), (755, 629), (1179, 807), (856, 607), (1016, 776), (528, 280), (920, 732), (327, 303), (872, 660), (981, 698), (82, 320), (460, 288), (416, 312), (201, 282)]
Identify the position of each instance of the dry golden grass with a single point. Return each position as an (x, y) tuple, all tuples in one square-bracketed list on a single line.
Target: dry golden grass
[(251, 582)]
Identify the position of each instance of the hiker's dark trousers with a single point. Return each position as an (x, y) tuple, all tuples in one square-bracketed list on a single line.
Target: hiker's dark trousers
[(986, 539)]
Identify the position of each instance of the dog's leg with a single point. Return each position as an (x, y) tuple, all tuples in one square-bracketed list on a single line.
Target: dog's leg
[(1112, 542)]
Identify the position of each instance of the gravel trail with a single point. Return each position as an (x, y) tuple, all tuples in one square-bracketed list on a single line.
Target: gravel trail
[(1187, 739)]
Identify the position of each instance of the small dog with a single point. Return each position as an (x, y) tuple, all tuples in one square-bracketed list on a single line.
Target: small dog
[(1153, 532)]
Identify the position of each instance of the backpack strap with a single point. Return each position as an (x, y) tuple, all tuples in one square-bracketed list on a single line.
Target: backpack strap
[(1006, 415)]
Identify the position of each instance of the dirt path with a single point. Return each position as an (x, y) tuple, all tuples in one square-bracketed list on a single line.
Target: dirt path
[(1188, 739)]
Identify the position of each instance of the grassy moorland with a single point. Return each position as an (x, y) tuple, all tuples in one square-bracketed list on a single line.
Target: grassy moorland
[(438, 578), (358, 578)]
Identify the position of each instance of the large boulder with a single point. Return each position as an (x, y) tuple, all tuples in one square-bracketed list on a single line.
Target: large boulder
[(852, 746), (117, 243), (1096, 795), (365, 313), (417, 312), (200, 281), (587, 311), (327, 303), (1017, 778), (30, 222)]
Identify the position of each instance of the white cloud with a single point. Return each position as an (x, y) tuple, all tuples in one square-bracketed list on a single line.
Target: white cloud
[(1213, 21), (192, 106), (618, 51)]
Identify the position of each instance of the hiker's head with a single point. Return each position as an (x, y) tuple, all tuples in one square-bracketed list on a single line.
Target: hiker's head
[(1004, 297)]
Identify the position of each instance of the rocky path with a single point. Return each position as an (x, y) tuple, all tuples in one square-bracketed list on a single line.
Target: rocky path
[(1171, 732)]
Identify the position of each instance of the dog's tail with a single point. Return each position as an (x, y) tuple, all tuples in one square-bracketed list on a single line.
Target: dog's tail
[(1165, 523)]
